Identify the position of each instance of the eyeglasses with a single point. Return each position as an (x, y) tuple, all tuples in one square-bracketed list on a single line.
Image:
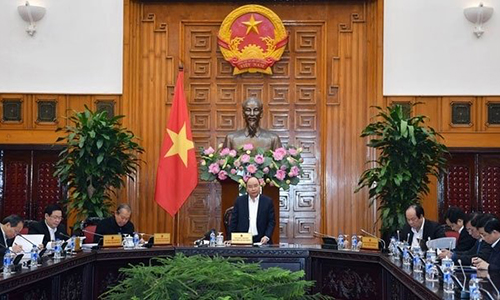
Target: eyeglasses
[(57, 217)]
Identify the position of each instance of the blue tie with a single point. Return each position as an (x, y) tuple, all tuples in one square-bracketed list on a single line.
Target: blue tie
[(478, 247)]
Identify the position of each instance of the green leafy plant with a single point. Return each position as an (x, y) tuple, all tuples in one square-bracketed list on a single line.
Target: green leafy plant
[(202, 277), (98, 154), (409, 153)]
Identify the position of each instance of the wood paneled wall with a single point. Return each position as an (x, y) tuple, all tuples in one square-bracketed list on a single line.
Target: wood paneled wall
[(319, 98)]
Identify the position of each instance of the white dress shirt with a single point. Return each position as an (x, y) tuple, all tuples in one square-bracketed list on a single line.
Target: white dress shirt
[(52, 232), (494, 244), (417, 235), (253, 207)]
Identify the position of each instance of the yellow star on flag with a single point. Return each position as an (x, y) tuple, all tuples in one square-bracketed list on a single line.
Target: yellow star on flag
[(252, 24), (181, 145)]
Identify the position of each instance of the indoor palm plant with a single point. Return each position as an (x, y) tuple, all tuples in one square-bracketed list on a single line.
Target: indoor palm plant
[(408, 153), (98, 154)]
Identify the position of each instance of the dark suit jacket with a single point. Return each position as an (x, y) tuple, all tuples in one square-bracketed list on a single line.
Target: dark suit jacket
[(431, 229), (465, 241), (480, 249), (41, 228), (494, 259), (240, 219)]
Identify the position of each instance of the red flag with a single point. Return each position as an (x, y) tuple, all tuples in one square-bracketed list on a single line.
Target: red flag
[(177, 174)]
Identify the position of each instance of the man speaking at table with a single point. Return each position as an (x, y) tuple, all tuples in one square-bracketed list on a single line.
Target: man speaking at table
[(254, 213)]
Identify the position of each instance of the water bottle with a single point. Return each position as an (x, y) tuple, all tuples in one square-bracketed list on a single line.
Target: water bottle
[(392, 246), (34, 257), (72, 244), (136, 240), (475, 293), (417, 250), (397, 254), (447, 264), (417, 263), (220, 240), (7, 261), (212, 239), (340, 242), (354, 243), (431, 254), (406, 257), (57, 250), (430, 270), (448, 284)]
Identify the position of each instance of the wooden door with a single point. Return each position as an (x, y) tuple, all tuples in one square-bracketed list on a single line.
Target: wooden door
[(472, 182), (28, 184)]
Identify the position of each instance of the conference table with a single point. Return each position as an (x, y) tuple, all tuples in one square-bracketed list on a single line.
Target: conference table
[(339, 273)]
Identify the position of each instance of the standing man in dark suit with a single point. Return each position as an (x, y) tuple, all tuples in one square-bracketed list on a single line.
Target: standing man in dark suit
[(51, 227), (491, 234), (456, 219), (254, 213), (418, 229)]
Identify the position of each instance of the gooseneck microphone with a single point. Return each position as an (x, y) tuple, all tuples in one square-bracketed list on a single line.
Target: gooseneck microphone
[(64, 235), (20, 235), (398, 236), (372, 235), (92, 233), (487, 293), (494, 286), (464, 294)]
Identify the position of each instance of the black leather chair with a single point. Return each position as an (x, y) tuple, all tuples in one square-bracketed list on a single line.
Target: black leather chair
[(227, 220)]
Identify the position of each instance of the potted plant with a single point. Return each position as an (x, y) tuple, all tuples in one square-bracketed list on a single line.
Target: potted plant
[(409, 152), (202, 277), (98, 154)]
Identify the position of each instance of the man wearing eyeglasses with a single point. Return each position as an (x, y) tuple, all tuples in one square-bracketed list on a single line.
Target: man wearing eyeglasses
[(51, 227)]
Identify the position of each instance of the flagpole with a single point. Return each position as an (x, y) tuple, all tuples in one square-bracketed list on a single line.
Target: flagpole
[(176, 217)]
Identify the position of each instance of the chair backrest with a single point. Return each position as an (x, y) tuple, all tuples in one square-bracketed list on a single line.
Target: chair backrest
[(441, 243), (24, 230), (89, 237), (451, 233), (26, 226)]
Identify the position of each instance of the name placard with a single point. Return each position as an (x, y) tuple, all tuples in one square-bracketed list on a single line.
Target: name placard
[(241, 238), (112, 240), (162, 238), (369, 243)]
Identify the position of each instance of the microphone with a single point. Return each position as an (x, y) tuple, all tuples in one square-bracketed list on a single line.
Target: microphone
[(206, 236), (64, 235), (92, 233), (372, 235), (458, 281), (487, 293), (494, 286), (408, 239), (20, 235), (398, 236), (464, 294)]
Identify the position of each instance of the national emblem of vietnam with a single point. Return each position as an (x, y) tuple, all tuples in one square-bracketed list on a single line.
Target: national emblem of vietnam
[(252, 38)]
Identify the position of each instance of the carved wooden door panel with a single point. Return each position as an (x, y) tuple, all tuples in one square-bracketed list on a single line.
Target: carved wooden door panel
[(489, 183), (291, 101), (472, 182), (27, 185)]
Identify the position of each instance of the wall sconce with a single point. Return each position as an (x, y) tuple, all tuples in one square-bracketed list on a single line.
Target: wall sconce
[(478, 15), (31, 14)]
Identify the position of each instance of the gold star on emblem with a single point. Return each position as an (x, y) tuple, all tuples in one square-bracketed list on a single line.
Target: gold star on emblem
[(181, 145), (252, 25)]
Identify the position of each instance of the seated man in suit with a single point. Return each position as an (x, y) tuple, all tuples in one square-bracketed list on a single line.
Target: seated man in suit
[(10, 227), (418, 229), (119, 223), (51, 227), (254, 213), (481, 249), (456, 219), (491, 234)]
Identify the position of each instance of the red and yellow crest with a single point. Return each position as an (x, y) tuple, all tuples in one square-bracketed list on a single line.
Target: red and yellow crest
[(252, 38)]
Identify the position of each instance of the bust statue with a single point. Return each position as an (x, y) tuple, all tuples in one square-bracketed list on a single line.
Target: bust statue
[(252, 133)]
